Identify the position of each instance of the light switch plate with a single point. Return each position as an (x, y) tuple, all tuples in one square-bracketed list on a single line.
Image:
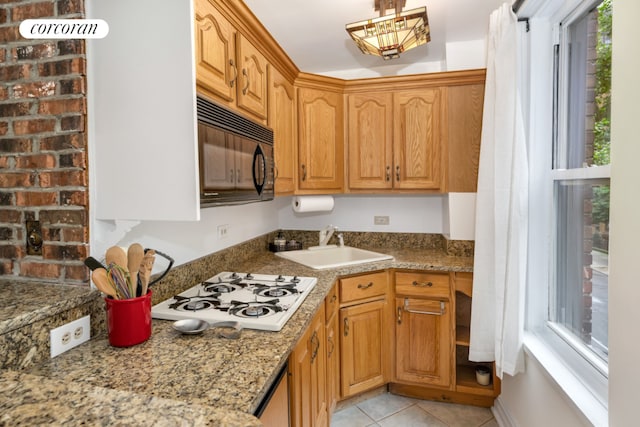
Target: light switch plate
[(68, 336)]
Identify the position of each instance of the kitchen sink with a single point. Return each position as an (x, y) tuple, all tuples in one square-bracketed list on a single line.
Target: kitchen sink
[(332, 256)]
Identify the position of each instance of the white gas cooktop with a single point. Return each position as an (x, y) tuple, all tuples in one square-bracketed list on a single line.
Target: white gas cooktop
[(255, 301)]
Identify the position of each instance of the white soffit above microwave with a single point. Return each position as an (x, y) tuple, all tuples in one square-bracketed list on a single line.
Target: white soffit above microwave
[(312, 32)]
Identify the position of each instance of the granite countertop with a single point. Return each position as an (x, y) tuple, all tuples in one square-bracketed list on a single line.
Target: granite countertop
[(44, 300), (205, 370)]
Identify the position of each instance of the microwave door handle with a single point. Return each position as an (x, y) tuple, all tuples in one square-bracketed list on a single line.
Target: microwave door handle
[(258, 181)]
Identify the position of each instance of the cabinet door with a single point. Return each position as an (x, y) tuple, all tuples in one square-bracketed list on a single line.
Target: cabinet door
[(307, 366), (417, 139), (364, 347), (252, 81), (370, 124), (464, 123), (333, 363), (282, 121), (215, 53), (423, 341), (320, 140)]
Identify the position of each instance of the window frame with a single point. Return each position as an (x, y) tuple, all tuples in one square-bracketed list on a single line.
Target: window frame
[(589, 370)]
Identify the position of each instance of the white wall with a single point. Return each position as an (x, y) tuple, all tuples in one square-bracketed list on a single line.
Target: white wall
[(410, 214), (624, 286)]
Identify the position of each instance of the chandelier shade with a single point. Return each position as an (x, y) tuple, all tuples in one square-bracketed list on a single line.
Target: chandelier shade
[(390, 35)]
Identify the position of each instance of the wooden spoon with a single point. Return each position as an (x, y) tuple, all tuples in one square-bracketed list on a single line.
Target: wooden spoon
[(135, 253), (101, 280), (115, 254), (145, 269)]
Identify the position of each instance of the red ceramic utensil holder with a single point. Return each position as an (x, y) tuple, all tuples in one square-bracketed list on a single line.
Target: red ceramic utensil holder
[(129, 320)]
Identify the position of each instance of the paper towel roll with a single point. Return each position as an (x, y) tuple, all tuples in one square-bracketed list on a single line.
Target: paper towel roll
[(312, 203)]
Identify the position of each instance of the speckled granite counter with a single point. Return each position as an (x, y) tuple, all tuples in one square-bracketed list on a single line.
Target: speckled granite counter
[(207, 370), (31, 400)]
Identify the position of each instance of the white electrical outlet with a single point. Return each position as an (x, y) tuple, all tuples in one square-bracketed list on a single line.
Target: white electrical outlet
[(223, 231), (381, 220), (72, 334)]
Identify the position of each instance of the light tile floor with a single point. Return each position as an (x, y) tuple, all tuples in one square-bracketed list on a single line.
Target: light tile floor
[(389, 410)]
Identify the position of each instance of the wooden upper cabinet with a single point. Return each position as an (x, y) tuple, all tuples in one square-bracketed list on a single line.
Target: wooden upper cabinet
[(465, 104), (282, 121), (229, 69), (370, 141), (216, 67), (417, 140), (252, 79), (320, 141)]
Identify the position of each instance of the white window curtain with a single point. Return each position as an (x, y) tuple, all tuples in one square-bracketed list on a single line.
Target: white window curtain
[(497, 311)]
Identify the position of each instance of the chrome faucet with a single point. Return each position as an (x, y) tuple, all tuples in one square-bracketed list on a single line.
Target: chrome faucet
[(326, 233)]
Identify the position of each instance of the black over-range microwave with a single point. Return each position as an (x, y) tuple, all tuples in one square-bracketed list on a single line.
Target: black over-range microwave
[(236, 157)]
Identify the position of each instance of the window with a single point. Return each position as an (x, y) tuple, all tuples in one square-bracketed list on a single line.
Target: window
[(570, 315), (578, 299)]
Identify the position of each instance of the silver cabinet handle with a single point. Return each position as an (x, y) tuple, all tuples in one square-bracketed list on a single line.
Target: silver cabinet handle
[(435, 313)]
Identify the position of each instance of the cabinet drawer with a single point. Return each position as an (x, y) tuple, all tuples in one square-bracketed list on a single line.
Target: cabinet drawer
[(331, 303), (363, 287), (423, 284)]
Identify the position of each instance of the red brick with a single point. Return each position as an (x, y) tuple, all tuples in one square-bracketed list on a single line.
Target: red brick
[(36, 161), (62, 67), (68, 7), (4, 93), (64, 252), (51, 234), (6, 268), (14, 72), (73, 123), (3, 54), (10, 216), (4, 127), (6, 199), (76, 272), (75, 234), (73, 160), (9, 180), (71, 217), (4, 162), (15, 109), (10, 34), (29, 127), (71, 47), (73, 198), (62, 142), (3, 16), (71, 178), (34, 89), (32, 11), (41, 270), (73, 86), (9, 251), (36, 198), (6, 233), (38, 51), (15, 145), (62, 106)]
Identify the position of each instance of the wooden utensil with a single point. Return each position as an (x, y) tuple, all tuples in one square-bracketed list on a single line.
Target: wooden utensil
[(115, 254), (135, 253), (101, 280), (145, 269)]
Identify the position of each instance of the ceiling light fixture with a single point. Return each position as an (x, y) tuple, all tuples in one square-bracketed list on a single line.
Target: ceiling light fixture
[(388, 36)]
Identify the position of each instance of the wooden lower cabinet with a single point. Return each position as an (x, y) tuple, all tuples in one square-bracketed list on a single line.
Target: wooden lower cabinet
[(423, 341), (308, 370), (333, 362)]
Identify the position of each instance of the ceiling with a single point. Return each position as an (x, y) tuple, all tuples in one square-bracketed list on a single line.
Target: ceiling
[(312, 32)]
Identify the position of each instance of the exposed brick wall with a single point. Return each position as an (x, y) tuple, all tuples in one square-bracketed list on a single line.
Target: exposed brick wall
[(43, 153)]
